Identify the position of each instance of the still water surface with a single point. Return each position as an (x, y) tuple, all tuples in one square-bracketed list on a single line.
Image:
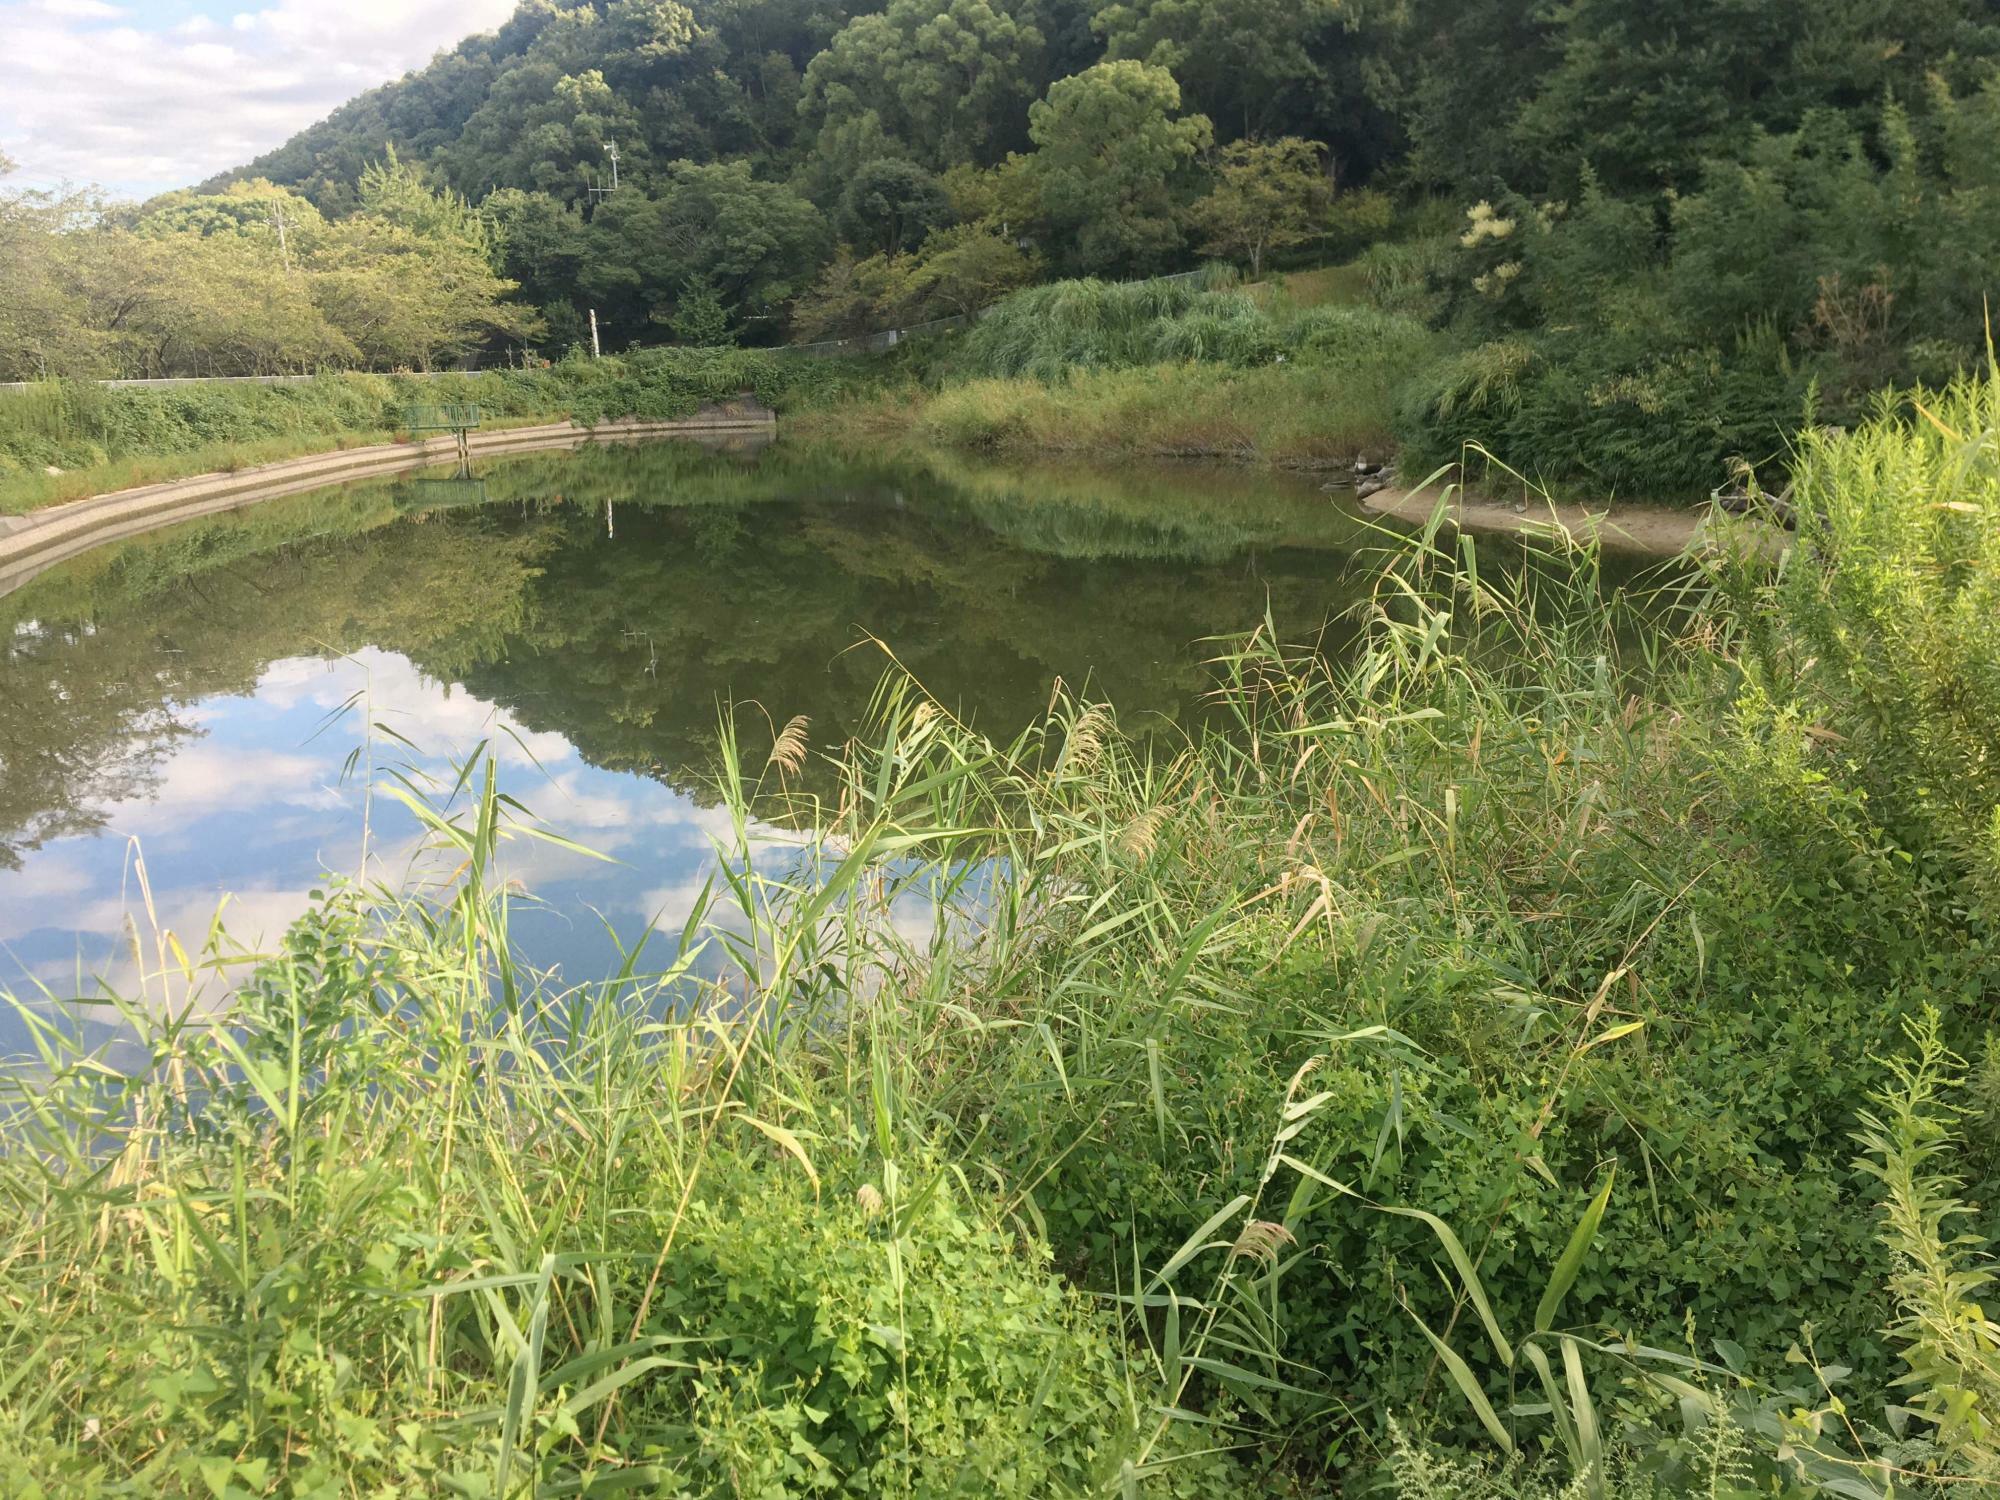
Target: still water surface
[(196, 702)]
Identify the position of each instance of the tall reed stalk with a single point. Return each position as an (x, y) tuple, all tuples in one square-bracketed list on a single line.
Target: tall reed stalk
[(1071, 1114)]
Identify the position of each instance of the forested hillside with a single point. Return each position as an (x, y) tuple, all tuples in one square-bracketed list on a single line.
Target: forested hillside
[(1657, 238)]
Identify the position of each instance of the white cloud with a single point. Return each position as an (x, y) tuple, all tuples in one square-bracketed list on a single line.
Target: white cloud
[(137, 961), (202, 778), (143, 98), (443, 719), (668, 907)]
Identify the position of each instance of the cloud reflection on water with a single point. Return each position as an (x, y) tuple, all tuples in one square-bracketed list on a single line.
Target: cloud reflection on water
[(255, 814)]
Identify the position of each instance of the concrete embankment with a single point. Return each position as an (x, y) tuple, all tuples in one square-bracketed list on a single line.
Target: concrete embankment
[(1655, 530), (32, 543)]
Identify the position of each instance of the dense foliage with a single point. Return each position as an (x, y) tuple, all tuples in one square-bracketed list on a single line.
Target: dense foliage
[(249, 281), (1667, 238), (1519, 1056)]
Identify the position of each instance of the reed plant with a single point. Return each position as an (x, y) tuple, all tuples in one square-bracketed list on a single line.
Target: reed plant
[(1467, 1028), (1290, 415)]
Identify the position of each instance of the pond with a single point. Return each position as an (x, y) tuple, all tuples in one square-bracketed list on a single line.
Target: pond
[(197, 714)]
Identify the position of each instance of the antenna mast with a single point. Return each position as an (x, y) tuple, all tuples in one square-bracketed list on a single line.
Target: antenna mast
[(597, 194)]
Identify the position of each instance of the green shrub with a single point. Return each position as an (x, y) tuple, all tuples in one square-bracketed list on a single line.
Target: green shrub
[(82, 425), (1354, 337), (1047, 332), (1586, 415), (880, 1337), (1407, 276), (1894, 639)]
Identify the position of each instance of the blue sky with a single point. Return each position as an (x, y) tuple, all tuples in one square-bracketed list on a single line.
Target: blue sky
[(253, 813), (139, 96)]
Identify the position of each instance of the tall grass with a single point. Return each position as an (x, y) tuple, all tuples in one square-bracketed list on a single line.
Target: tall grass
[(1046, 332), (1468, 1030), (1175, 369), (101, 437), (1293, 416), (1049, 333)]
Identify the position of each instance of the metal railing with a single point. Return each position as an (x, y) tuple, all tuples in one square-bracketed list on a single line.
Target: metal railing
[(163, 382), (889, 338), (453, 416)]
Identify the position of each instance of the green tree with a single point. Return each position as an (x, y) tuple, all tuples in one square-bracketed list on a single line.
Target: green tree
[(957, 271), (1454, 76), (410, 279), (1268, 196), (544, 128), (224, 304), (1004, 196), (891, 205), (45, 326), (1247, 63), (1648, 94), (1113, 165), (257, 210), (398, 192), (699, 317), (966, 267), (759, 243), (853, 296), (538, 241), (407, 301), (942, 83), (644, 41)]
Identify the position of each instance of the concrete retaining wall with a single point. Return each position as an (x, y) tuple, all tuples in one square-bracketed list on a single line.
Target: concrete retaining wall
[(35, 542)]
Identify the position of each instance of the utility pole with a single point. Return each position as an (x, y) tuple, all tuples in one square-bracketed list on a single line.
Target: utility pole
[(278, 219), (612, 151), (595, 351)]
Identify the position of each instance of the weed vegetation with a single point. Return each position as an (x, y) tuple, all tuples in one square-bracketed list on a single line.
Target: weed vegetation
[(102, 438), (1196, 366), (1297, 417), (1519, 1057)]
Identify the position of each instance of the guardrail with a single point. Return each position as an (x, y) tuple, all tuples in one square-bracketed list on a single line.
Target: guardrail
[(860, 343), (164, 381), (889, 338)]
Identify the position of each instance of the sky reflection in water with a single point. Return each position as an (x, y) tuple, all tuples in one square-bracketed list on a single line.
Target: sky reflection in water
[(193, 698)]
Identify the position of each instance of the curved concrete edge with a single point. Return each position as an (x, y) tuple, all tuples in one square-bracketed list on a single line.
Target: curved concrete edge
[(1653, 530), (32, 543)]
